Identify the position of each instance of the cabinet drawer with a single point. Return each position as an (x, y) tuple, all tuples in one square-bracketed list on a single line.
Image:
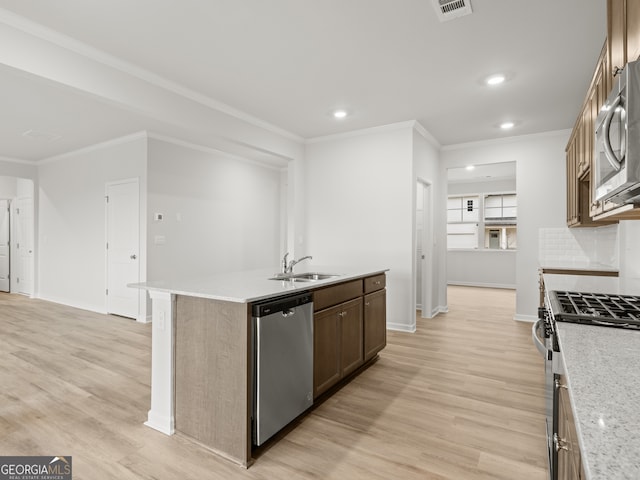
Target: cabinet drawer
[(377, 282), (335, 294)]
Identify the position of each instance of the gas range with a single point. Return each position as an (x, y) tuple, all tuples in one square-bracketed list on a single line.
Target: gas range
[(608, 310)]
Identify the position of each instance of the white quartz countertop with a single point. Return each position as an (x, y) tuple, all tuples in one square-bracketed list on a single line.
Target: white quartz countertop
[(253, 285), (602, 366)]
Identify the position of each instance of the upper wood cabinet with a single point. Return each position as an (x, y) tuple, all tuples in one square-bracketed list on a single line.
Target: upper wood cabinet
[(632, 16), (581, 208), (623, 33), (616, 20), (622, 46)]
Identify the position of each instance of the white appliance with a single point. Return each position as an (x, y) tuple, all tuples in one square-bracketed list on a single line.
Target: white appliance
[(617, 141)]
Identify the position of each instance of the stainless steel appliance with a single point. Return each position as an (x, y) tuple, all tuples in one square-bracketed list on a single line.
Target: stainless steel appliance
[(282, 363), (545, 339), (617, 140), (601, 309), (608, 310)]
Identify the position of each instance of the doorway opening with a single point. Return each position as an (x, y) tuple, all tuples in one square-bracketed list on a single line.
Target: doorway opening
[(424, 249), (17, 235)]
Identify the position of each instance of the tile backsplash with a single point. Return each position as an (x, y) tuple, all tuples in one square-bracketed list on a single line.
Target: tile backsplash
[(579, 247)]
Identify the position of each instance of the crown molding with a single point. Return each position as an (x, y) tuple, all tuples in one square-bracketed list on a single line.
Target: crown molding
[(212, 151), (98, 146), (363, 131), (64, 41), (506, 140), (418, 127), (18, 160)]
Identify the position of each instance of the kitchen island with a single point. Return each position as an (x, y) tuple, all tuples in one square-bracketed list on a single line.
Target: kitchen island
[(201, 372), (601, 367)]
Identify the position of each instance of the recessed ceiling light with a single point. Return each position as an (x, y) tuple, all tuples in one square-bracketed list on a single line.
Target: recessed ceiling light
[(339, 113), (495, 79), (470, 167), (506, 125)]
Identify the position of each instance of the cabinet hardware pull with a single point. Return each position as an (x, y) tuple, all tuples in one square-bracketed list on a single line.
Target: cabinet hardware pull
[(559, 443), (377, 283), (366, 304), (560, 385)]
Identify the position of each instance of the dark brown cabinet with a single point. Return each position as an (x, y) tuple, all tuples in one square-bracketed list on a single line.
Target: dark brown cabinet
[(326, 349), (337, 344), (349, 329), (375, 323), (566, 442)]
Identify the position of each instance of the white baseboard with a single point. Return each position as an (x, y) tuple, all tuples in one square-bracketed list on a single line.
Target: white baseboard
[(525, 318), (146, 319), (401, 327), (507, 286), (161, 423), (70, 303)]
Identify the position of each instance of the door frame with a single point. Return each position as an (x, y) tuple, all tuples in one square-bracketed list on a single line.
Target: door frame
[(141, 315), (427, 240)]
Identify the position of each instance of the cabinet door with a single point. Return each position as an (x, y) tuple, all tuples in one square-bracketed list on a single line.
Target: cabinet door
[(375, 323), (569, 459), (616, 35), (633, 30), (352, 350), (326, 349)]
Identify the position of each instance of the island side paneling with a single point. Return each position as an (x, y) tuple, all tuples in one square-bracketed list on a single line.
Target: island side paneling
[(212, 375)]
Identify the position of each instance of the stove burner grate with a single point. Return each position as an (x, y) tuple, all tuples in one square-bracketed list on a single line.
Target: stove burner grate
[(598, 309)]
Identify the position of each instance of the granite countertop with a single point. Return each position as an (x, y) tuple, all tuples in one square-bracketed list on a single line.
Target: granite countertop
[(253, 285), (601, 365)]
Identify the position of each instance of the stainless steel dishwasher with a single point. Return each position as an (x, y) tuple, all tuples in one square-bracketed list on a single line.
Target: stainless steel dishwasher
[(282, 363)]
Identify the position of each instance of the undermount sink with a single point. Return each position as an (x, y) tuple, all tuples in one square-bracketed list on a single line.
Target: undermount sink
[(304, 277)]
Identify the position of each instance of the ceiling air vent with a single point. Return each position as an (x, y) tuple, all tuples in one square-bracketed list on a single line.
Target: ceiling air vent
[(450, 9)]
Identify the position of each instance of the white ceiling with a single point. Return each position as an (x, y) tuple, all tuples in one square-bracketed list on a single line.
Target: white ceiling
[(290, 62), (482, 173)]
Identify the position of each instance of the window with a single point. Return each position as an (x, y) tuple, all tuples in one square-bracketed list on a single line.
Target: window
[(500, 217), (501, 207), (495, 228), (462, 221)]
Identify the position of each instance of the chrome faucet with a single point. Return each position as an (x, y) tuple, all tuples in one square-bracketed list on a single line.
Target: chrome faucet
[(288, 267)]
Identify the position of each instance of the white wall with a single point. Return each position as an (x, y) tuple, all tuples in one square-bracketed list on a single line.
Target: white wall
[(220, 214), (360, 208), (71, 206), (8, 187), (482, 268), (540, 184), (18, 168)]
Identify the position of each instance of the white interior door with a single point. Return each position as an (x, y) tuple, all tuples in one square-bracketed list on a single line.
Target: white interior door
[(4, 246), (22, 244), (425, 254), (123, 247)]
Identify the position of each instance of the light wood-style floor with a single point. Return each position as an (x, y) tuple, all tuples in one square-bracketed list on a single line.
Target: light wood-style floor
[(461, 399)]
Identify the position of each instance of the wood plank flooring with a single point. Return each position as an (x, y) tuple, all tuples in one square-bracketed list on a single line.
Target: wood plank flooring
[(460, 399)]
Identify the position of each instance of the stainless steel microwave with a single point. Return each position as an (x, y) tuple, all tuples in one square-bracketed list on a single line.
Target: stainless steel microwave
[(617, 141)]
